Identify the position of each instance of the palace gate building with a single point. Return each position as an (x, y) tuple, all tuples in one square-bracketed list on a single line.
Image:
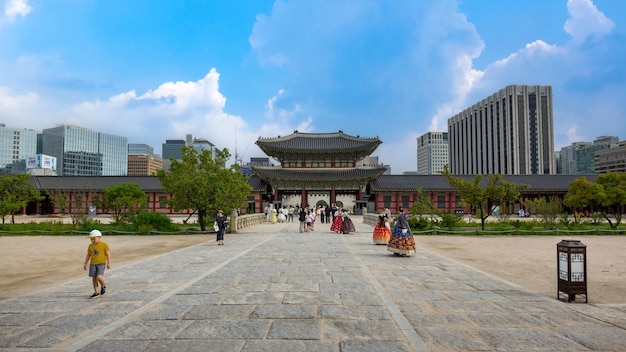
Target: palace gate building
[(318, 169)]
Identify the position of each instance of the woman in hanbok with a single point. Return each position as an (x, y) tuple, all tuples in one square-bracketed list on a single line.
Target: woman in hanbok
[(401, 242), (281, 215), (382, 230), (337, 220), (273, 216), (347, 225)]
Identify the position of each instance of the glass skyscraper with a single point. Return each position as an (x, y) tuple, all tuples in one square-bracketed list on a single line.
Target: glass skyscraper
[(16, 145), (83, 152)]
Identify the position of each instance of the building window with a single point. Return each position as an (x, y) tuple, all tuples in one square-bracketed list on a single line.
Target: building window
[(162, 202), (387, 198), (387, 205)]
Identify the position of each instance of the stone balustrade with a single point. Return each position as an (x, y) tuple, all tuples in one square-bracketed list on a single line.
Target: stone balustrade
[(242, 221)]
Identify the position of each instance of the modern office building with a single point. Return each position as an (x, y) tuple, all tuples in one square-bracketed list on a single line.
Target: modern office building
[(611, 160), (432, 153), (172, 148), (579, 157), (200, 144), (83, 152), (142, 161), (510, 132), (140, 149), (16, 145)]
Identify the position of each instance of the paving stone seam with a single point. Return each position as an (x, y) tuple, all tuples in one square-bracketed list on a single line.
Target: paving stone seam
[(411, 335), (139, 311), (569, 306)]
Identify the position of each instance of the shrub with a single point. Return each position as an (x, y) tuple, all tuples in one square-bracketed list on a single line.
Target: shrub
[(450, 219), (418, 222), (150, 220)]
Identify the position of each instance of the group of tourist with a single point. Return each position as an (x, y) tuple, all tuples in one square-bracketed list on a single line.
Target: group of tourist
[(341, 222), (400, 240)]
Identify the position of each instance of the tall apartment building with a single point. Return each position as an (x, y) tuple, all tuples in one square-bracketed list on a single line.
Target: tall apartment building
[(142, 161), (83, 152), (16, 145), (432, 153), (579, 157), (612, 159), (510, 132)]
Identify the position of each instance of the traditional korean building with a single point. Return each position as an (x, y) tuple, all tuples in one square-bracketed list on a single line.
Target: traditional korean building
[(318, 168)]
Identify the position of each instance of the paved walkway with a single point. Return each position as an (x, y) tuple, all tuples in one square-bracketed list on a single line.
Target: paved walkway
[(271, 288)]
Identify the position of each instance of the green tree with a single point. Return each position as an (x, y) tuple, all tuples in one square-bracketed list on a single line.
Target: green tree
[(15, 194), (550, 211), (124, 202), (481, 200), (502, 194), (422, 205), (200, 182), (582, 194), (613, 197)]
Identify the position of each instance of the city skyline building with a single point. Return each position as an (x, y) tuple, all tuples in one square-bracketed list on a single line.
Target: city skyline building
[(16, 145), (84, 152), (579, 157), (140, 149), (612, 159), (432, 153), (510, 132), (142, 161)]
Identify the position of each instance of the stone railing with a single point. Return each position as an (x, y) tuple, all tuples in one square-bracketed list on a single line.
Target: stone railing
[(242, 221), (370, 219)]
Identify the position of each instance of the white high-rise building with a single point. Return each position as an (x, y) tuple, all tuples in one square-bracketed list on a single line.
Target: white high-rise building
[(510, 132), (16, 145), (432, 153)]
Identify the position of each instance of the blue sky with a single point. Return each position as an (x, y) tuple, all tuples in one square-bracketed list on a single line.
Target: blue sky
[(233, 71)]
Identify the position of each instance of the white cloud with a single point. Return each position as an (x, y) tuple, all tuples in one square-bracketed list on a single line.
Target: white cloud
[(176, 97), (586, 21), (15, 8), (11, 105)]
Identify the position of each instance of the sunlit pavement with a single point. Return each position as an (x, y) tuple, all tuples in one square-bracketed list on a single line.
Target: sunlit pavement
[(272, 288)]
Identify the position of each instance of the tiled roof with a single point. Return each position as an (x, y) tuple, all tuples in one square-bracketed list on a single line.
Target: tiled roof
[(98, 183), (318, 143), (93, 183), (257, 184), (270, 173), (544, 183)]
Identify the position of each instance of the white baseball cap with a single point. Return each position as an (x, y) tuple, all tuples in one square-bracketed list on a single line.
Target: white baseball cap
[(95, 233)]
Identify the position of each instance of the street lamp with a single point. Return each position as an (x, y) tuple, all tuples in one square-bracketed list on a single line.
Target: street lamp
[(572, 269)]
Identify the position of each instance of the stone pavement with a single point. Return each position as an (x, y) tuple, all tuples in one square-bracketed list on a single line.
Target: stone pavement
[(271, 288)]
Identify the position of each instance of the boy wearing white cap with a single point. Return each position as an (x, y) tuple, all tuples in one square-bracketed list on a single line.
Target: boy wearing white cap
[(98, 253)]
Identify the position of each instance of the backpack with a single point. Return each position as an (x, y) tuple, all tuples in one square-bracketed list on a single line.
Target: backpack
[(302, 216)]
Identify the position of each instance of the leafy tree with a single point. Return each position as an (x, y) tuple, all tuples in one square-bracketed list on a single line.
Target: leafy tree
[(481, 200), (15, 194), (549, 211), (613, 197), (200, 182), (503, 193), (422, 205), (582, 194), (124, 201)]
